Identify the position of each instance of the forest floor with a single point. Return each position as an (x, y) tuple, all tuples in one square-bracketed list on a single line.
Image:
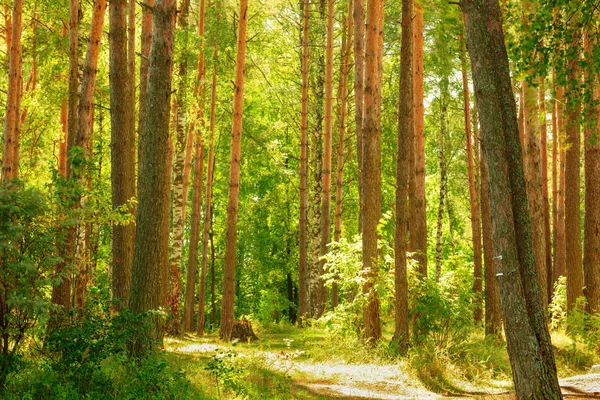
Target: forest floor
[(287, 363)]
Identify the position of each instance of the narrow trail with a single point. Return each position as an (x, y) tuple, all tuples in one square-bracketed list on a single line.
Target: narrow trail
[(339, 380)]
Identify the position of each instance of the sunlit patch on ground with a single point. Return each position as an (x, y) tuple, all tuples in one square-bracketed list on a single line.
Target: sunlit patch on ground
[(199, 348)]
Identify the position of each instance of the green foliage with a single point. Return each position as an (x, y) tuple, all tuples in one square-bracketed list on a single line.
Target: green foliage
[(558, 307), (27, 259)]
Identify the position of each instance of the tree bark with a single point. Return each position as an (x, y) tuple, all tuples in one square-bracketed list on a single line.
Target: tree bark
[(176, 263), (419, 236), (444, 95), (303, 307), (573, 183), (546, 196), (592, 187), (342, 108), (406, 126), (227, 308), (371, 175), (327, 148), (122, 149), (145, 42), (151, 256), (359, 93), (475, 215), (560, 249), (192, 265), (12, 121), (528, 340), (208, 207)]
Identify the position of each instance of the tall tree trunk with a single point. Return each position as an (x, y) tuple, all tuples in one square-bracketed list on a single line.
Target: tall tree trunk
[(371, 175), (546, 196), (418, 236), (592, 187), (227, 308), (122, 149), (573, 183), (493, 316), (62, 150), (528, 340), (145, 42), (151, 257), (175, 282), (315, 285), (327, 148), (443, 174), (12, 121), (533, 174), (208, 207), (406, 126), (75, 169), (342, 108), (213, 300), (359, 94), (303, 307), (192, 265), (555, 141), (560, 249), (474, 201)]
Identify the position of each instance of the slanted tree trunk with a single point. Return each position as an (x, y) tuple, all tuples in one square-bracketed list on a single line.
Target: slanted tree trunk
[(342, 107), (208, 207), (192, 265), (228, 305), (122, 149), (475, 215), (418, 236), (145, 42), (371, 175), (573, 183), (303, 307), (406, 125), (327, 148), (359, 93), (528, 340), (12, 120), (151, 257), (591, 235)]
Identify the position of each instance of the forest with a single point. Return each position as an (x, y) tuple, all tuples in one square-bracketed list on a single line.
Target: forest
[(310, 199)]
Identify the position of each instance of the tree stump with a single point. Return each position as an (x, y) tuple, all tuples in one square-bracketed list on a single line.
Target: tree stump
[(242, 330)]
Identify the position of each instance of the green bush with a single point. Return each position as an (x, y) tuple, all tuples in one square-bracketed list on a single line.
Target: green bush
[(27, 261)]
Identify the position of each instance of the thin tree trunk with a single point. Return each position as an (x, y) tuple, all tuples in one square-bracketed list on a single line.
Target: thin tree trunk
[(151, 257), (475, 215), (359, 93), (419, 236), (122, 149), (192, 266), (303, 308), (443, 175), (342, 107), (406, 125), (209, 184), (62, 150), (533, 173), (546, 197), (555, 141), (528, 340), (145, 42), (12, 121), (592, 187), (573, 184), (327, 148), (560, 249), (213, 300), (228, 305)]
